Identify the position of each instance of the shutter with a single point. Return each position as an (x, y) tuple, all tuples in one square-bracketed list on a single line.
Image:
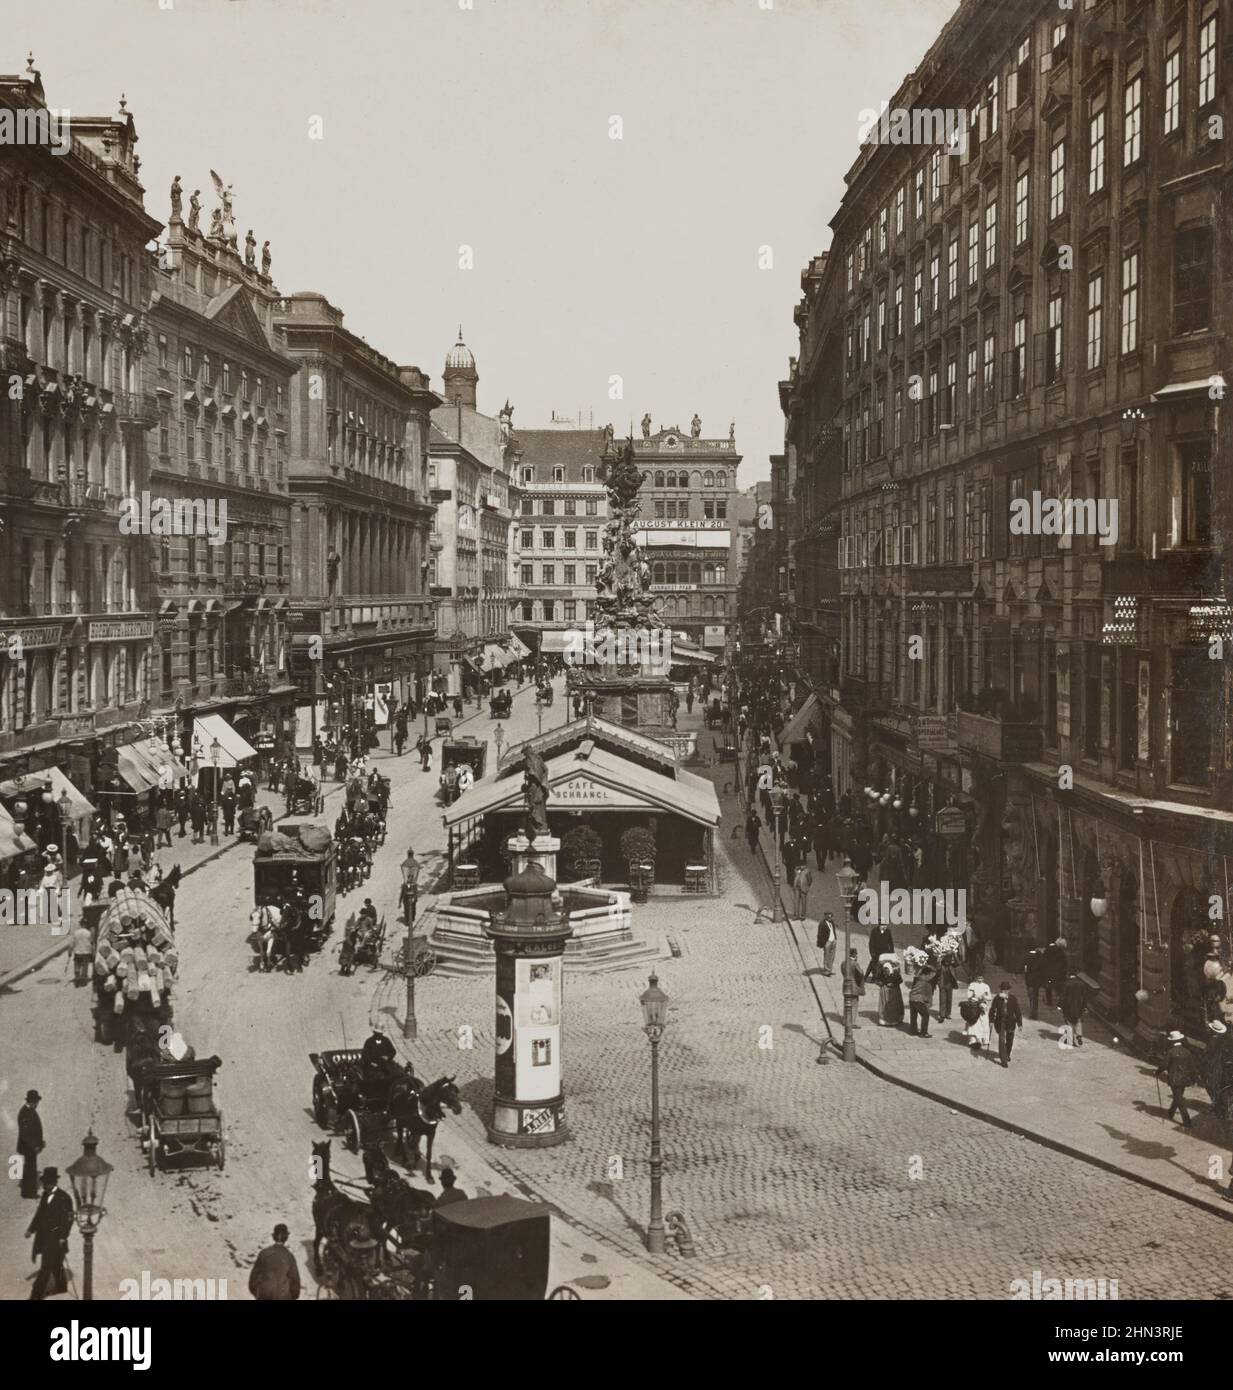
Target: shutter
[(1001, 518)]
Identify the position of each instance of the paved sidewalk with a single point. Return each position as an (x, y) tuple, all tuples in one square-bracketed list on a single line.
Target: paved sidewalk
[(1099, 1103)]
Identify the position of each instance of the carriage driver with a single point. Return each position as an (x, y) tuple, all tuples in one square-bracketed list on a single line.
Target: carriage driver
[(377, 1061)]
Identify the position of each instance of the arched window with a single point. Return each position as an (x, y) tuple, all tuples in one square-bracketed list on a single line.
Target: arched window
[(721, 574), (708, 479), (695, 573), (708, 573), (708, 607), (646, 478), (657, 572), (659, 479), (670, 572), (721, 605), (721, 479)]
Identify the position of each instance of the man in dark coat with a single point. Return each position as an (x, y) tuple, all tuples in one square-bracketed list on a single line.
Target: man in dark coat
[(227, 804), (880, 944), (920, 996), (275, 1277), (450, 1191), (1006, 1018), (30, 1143), (182, 808), (1056, 967), (50, 1226), (377, 1059), (1034, 976), (196, 811), (1074, 1005), (1178, 1066), (753, 824)]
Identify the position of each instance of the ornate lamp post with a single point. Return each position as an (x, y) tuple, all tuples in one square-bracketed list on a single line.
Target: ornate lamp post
[(65, 809), (410, 868), (215, 753), (89, 1175), (776, 811), (654, 1019), (848, 878)]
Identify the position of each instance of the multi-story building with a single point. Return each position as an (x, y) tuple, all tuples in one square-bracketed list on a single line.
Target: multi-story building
[(361, 511), (470, 565), (755, 597), (223, 391), (1033, 317), (688, 526), (563, 508), (74, 420)]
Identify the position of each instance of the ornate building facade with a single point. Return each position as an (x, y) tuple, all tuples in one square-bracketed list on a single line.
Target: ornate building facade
[(75, 418)]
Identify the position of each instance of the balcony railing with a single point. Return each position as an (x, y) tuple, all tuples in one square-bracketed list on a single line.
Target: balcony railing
[(136, 407)]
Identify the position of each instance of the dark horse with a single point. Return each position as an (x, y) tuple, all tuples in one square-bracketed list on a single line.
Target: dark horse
[(164, 894), (404, 1210), (419, 1110), (337, 1218)]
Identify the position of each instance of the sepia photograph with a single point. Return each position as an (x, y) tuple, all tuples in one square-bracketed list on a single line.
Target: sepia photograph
[(616, 681)]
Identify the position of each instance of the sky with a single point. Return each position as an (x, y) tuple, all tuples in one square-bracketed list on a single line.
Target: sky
[(598, 265)]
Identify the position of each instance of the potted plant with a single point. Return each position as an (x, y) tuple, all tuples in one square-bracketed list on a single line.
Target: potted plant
[(638, 847), (581, 851)]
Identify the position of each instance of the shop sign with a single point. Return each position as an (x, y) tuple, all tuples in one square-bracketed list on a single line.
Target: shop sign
[(951, 823), (31, 637), (130, 631), (936, 733), (714, 635), (537, 1121)]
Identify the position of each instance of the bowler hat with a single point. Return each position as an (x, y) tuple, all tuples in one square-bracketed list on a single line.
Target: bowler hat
[(281, 1232), (1175, 1036), (51, 1175), (1217, 1027), (33, 1095)]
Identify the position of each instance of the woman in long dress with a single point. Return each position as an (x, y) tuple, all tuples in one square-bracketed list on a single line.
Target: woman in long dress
[(890, 995), (977, 1031)]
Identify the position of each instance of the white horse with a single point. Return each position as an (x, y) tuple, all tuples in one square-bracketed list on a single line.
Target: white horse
[(266, 922)]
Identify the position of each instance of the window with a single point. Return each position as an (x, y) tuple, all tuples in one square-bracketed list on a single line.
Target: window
[(1021, 202), (1172, 83), (1018, 358), (1015, 541), (989, 393), (897, 320), (1021, 78), (1132, 108), (548, 540), (592, 540), (986, 520), (1207, 58), (935, 176), (188, 360), (528, 610), (571, 507), (570, 540), (1128, 499), (991, 232), (918, 194), (931, 403), (549, 507), (935, 295), (850, 265), (882, 231), (1095, 319), (865, 337), (897, 417), (1130, 301), (882, 324), (952, 268), (991, 103), (1193, 694), (901, 198), (948, 527), (952, 375), (162, 349), (973, 251), (568, 572), (592, 507), (1194, 467), (1192, 280), (1053, 355), (528, 574), (571, 609), (971, 382), (931, 530), (1057, 175), (550, 574), (527, 508), (917, 307), (558, 475), (528, 540), (969, 523), (1096, 143)]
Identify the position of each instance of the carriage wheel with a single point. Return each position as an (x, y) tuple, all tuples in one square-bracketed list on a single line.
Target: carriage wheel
[(321, 1111), (563, 1292), (152, 1147), (425, 963), (353, 1132)]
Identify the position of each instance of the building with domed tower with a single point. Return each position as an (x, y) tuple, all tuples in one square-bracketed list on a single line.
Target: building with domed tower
[(469, 568)]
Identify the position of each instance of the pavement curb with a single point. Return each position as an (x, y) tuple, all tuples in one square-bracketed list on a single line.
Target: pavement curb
[(1217, 1207)]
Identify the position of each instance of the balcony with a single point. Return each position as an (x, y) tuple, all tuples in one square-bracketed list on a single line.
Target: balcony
[(139, 408), (1003, 739)]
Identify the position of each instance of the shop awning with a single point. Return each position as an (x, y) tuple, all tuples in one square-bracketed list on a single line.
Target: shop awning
[(1188, 388), (494, 658), (807, 717), (683, 655), (233, 748), (518, 648), (12, 841), (33, 783), (553, 641), (135, 771)]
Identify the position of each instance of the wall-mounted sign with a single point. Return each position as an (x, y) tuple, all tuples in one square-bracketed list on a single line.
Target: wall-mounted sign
[(31, 637), (714, 635), (130, 631), (951, 823), (936, 733)]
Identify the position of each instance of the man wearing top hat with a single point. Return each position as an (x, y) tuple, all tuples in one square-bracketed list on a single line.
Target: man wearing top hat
[(30, 1143), (50, 1226)]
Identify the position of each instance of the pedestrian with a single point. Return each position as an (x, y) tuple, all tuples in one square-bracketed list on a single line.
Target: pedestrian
[(83, 953), (880, 944), (275, 1277), (1006, 1018), (450, 1191), (1034, 976), (1074, 1006), (400, 738), (828, 939), (50, 1226), (801, 884), (890, 994), (30, 1143), (850, 970), (457, 706), (753, 824), (974, 1010), (920, 997), (943, 949), (196, 813), (1179, 1067), (689, 700), (1056, 966), (227, 804), (163, 819), (182, 808), (791, 857)]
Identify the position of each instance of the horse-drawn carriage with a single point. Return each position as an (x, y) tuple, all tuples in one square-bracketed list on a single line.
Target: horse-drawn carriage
[(362, 1107), (543, 693), (253, 822), (176, 1112), (457, 754), (716, 716), (363, 942), (304, 795), (295, 877), (444, 724), (135, 965), (501, 705)]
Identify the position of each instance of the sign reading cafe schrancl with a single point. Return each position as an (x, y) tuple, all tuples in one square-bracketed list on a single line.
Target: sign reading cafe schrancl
[(130, 630)]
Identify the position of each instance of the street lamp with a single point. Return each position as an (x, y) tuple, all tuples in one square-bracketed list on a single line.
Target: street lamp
[(777, 796), (65, 809), (1099, 903), (410, 868), (89, 1175), (654, 1019), (216, 749), (848, 878)]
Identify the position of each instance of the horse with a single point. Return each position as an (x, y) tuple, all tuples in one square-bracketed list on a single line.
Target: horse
[(420, 1110), (337, 1218), (399, 1208), (164, 894), (269, 936)]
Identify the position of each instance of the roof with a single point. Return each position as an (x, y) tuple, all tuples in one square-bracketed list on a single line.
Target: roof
[(615, 737), (568, 449), (628, 785)]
